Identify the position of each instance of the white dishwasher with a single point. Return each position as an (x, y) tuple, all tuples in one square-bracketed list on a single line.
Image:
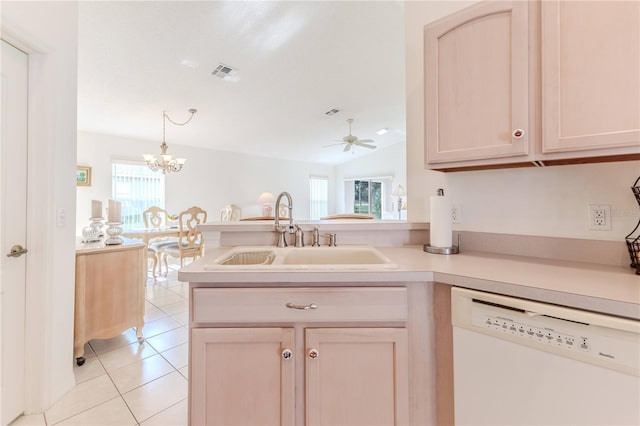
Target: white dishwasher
[(518, 362)]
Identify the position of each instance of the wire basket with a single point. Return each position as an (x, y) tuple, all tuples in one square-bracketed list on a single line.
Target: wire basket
[(633, 239)]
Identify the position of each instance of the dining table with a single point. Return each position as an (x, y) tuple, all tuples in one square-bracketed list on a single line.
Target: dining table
[(148, 234)]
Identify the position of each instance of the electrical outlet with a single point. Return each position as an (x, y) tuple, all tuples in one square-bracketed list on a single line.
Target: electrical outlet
[(456, 214), (600, 217)]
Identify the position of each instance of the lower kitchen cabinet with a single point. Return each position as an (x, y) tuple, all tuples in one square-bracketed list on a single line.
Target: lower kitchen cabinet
[(246, 376), (242, 377), (357, 376), (294, 356)]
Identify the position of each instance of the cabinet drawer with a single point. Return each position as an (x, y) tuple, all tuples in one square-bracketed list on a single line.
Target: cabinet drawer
[(233, 305)]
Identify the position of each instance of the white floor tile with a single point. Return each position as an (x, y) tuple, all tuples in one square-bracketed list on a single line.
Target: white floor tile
[(153, 292), (152, 313), (84, 396), (178, 356), (126, 355), (182, 318), (90, 369), (176, 415), (113, 413), (32, 420), (156, 396), (167, 299), (169, 339), (140, 372), (101, 346), (175, 308), (182, 289), (185, 372), (159, 326)]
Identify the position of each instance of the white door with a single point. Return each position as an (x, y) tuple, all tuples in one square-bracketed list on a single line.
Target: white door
[(13, 195)]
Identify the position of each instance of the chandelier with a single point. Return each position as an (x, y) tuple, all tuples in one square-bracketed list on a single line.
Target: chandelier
[(166, 162)]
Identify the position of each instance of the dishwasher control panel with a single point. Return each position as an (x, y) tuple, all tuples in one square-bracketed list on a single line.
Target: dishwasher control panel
[(531, 330), (582, 341)]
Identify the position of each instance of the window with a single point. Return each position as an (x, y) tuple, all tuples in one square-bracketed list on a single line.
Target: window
[(138, 188), (318, 197), (368, 196)]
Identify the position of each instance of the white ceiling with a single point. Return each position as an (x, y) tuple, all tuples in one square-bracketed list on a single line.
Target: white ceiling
[(295, 61)]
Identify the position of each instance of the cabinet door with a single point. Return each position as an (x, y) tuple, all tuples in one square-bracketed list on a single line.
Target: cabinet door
[(477, 84), (242, 377), (357, 376), (590, 75)]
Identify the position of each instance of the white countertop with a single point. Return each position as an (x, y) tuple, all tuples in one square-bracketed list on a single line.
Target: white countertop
[(608, 289), (100, 246)]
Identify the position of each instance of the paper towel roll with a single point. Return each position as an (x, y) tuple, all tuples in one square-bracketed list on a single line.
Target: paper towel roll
[(440, 230)]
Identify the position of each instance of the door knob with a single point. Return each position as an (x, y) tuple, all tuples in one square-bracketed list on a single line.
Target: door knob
[(17, 251)]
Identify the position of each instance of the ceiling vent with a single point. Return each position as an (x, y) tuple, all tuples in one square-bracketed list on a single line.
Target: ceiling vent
[(225, 72), (332, 111)]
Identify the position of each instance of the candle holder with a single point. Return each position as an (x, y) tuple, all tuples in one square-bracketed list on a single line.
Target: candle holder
[(97, 224), (114, 230)]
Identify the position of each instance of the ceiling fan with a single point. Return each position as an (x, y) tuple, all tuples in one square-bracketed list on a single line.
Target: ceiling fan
[(351, 140)]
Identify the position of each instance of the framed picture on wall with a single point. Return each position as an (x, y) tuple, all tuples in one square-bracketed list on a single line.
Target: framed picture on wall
[(83, 176)]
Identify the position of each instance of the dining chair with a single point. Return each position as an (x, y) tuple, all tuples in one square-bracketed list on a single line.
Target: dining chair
[(156, 217), (230, 213), (190, 242)]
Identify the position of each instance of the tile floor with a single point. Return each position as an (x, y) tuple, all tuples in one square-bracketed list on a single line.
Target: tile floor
[(125, 383)]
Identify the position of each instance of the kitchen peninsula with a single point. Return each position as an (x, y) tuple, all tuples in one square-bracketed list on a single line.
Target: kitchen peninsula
[(417, 291)]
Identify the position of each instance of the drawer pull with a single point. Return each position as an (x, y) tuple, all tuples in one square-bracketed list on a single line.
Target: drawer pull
[(294, 306), (313, 354)]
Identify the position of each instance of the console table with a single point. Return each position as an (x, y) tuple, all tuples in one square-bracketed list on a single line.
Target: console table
[(110, 284)]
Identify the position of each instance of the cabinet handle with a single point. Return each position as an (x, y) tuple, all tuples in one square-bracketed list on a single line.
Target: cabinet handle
[(294, 306), (313, 353), (518, 134), (287, 354)]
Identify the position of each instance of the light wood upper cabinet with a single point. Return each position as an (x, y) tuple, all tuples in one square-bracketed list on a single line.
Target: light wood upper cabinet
[(477, 84), (590, 75), (566, 72)]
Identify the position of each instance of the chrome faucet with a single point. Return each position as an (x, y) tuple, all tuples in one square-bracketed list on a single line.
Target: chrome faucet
[(281, 230)]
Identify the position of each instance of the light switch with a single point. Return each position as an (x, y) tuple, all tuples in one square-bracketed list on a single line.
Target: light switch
[(61, 218)]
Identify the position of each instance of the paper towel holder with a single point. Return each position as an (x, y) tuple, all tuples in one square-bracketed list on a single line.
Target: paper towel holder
[(442, 250)]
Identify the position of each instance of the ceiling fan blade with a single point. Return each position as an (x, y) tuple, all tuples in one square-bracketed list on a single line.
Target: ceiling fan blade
[(364, 145), (347, 147), (366, 140), (333, 144)]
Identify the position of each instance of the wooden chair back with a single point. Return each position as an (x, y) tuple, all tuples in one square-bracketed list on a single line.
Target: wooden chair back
[(230, 213), (155, 217), (190, 240)]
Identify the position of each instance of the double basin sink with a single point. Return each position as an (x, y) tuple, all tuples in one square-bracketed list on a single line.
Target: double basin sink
[(265, 258)]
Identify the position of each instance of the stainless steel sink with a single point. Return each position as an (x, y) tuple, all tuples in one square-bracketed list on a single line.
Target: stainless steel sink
[(269, 258)]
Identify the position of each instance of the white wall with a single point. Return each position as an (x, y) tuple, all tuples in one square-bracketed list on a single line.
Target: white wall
[(550, 201), (47, 31), (210, 179)]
